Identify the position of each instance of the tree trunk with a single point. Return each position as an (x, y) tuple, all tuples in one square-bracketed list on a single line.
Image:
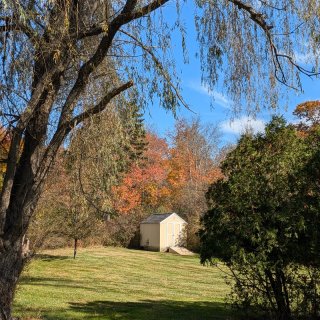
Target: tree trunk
[(24, 195), (283, 311), (75, 248), (11, 265)]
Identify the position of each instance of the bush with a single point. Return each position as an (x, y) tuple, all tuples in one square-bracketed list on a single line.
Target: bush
[(264, 222)]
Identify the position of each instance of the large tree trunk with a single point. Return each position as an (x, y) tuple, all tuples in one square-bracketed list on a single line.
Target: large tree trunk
[(30, 154), (24, 196), (11, 265)]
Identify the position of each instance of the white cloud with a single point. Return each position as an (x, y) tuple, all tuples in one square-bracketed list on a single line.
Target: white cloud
[(239, 126), (305, 54), (218, 97), (303, 58), (221, 99)]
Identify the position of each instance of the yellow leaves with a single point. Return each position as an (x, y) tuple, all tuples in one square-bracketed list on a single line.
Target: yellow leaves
[(307, 107), (3, 168), (67, 14), (4, 149), (309, 113), (105, 27), (56, 55)]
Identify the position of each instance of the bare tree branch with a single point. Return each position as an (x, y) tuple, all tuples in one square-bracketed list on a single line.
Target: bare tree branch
[(100, 106), (256, 16), (123, 18), (63, 130), (127, 14), (129, 6), (159, 67), (14, 24), (261, 21)]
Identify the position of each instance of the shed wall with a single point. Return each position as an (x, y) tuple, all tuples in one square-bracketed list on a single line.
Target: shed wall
[(163, 236), (177, 226), (150, 236)]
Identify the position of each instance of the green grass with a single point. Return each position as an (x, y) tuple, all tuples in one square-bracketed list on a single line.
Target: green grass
[(115, 283)]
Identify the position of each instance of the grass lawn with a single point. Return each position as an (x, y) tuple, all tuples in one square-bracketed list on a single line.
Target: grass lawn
[(116, 283)]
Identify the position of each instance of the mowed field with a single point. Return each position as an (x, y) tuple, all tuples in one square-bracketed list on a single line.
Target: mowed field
[(116, 283)]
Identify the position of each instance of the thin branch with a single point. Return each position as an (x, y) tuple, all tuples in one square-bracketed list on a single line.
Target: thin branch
[(290, 32), (265, 3), (64, 129), (300, 68), (16, 25), (101, 51), (124, 17), (256, 16), (100, 106), (260, 20), (160, 68)]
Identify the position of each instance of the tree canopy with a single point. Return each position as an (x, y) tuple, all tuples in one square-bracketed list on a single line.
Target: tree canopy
[(264, 220)]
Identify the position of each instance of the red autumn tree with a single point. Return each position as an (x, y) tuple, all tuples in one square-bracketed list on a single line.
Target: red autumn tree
[(172, 179), (145, 184)]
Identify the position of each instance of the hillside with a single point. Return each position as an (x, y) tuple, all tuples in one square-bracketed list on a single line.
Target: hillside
[(115, 283)]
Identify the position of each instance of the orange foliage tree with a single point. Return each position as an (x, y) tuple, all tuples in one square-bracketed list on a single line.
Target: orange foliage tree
[(145, 184), (192, 168), (309, 113), (5, 140), (173, 178)]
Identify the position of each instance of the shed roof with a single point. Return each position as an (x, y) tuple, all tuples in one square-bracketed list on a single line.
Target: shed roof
[(158, 218)]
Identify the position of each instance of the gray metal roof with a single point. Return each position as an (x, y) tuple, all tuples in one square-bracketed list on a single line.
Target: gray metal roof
[(157, 217)]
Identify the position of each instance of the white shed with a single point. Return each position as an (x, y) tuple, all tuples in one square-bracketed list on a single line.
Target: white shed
[(159, 232)]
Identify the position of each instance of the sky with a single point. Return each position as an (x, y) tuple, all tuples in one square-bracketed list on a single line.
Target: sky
[(218, 113)]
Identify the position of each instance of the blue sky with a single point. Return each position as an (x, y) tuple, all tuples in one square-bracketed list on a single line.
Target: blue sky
[(217, 113)]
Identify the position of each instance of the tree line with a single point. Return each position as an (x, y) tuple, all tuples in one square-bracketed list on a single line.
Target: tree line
[(114, 173)]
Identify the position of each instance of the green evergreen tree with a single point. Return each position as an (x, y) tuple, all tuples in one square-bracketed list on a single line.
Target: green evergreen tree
[(136, 132), (264, 224)]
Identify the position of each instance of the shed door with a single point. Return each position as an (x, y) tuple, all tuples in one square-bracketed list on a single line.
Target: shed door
[(170, 235), (177, 234)]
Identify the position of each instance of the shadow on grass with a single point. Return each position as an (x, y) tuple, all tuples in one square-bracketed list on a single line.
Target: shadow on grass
[(141, 310), (50, 282), (150, 309), (49, 257)]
